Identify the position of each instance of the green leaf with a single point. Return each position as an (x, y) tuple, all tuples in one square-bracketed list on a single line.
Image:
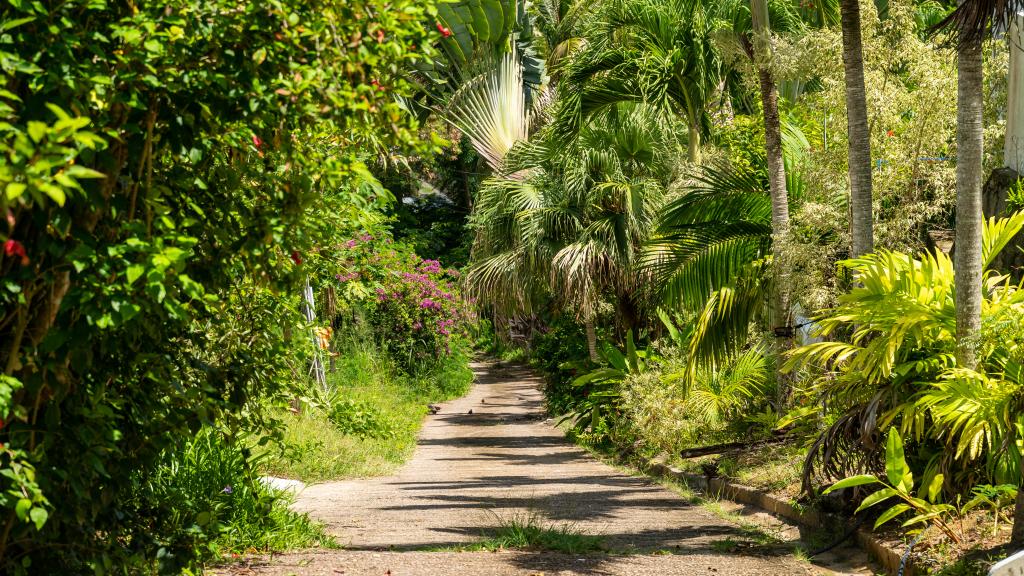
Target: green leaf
[(37, 130), (935, 488), (851, 482), (876, 497), (895, 462), (22, 508), (56, 193), (39, 516), (5, 26), (134, 271), (615, 358), (891, 513), (15, 189)]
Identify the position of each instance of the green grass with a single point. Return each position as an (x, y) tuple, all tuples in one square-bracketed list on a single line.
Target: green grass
[(316, 450), (529, 531), (772, 468)]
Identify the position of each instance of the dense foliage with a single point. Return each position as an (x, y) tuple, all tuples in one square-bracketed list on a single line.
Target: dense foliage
[(413, 306), (165, 167)]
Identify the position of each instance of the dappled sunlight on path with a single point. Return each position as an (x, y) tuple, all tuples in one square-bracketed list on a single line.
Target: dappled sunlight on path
[(493, 456)]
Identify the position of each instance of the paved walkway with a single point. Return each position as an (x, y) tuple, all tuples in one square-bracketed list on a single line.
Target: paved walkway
[(490, 457)]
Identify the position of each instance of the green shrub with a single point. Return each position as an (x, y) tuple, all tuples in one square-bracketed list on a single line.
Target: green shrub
[(359, 418), (165, 168), (314, 448), (204, 497)]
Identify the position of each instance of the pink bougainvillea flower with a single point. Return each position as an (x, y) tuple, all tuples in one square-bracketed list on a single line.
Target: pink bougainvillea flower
[(15, 249)]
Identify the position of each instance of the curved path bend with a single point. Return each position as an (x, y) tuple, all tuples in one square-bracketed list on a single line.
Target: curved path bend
[(492, 456)]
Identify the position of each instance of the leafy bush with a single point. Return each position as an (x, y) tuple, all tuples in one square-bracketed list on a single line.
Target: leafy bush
[(899, 367), (312, 448), (205, 492), (559, 353), (359, 419), (164, 167), (899, 484), (413, 306)]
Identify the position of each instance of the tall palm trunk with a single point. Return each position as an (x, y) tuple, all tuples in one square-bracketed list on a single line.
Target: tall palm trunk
[(780, 313), (773, 146), (967, 259), (591, 339), (859, 162), (693, 144)]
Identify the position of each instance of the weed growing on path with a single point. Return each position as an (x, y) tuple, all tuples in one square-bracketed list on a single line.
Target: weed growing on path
[(529, 532)]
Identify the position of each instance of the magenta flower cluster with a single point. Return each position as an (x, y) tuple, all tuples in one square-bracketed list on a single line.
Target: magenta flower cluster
[(415, 305)]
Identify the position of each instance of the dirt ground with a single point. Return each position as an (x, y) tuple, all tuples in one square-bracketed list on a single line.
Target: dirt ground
[(493, 456)]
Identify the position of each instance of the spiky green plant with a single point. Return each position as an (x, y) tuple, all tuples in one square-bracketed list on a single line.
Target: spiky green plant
[(889, 358)]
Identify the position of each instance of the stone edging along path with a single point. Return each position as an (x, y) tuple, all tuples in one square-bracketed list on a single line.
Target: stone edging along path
[(887, 557)]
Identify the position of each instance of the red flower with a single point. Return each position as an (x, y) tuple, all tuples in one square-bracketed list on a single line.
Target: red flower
[(296, 257), (443, 30), (14, 248), (380, 35), (256, 141), (889, 133)]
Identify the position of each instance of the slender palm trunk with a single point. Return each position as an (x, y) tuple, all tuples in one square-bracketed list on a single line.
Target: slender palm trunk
[(859, 162), (773, 149), (780, 312), (1013, 151), (693, 147), (591, 339), (969, 142)]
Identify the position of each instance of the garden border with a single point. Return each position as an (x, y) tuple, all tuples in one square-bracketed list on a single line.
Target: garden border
[(885, 555)]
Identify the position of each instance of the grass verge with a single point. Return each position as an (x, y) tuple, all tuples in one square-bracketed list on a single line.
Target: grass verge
[(368, 426)]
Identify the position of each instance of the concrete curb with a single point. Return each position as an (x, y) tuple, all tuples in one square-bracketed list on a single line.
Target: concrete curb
[(887, 557)]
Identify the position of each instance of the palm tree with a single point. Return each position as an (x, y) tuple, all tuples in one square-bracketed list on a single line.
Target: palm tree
[(969, 24), (709, 252), (858, 134), (656, 51), (568, 220)]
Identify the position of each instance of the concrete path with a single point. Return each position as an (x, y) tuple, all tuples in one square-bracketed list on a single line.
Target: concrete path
[(493, 456)]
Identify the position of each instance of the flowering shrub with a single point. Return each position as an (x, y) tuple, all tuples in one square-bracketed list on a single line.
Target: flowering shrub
[(413, 305)]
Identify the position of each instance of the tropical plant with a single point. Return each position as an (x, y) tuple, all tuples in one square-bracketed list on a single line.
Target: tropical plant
[(711, 247), (899, 483), (728, 393), (490, 78), (568, 225), (896, 363), (995, 498), (657, 51), (600, 390)]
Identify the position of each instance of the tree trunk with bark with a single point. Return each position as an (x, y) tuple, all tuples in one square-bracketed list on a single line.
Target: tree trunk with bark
[(591, 339), (859, 161), (967, 248), (776, 165)]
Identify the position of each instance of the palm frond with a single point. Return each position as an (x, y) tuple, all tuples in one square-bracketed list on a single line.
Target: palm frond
[(491, 110)]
